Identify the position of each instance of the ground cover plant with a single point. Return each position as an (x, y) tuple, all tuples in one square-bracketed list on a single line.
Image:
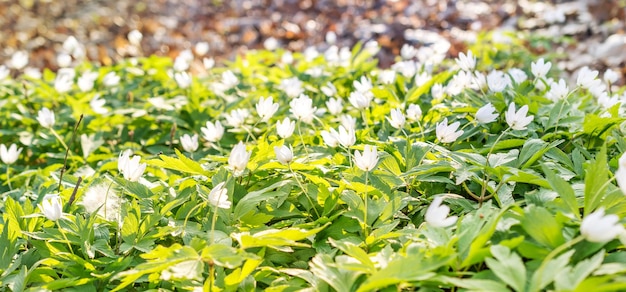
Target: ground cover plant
[(314, 171)]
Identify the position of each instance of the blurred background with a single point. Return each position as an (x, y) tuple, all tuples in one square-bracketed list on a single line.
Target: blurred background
[(593, 29)]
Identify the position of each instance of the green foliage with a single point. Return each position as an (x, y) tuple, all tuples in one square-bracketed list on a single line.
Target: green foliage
[(201, 218)]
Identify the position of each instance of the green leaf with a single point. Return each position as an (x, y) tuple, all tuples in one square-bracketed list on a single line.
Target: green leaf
[(182, 164), (279, 239), (541, 225), (508, 266), (541, 279), (250, 200), (564, 189), (411, 268), (597, 174)]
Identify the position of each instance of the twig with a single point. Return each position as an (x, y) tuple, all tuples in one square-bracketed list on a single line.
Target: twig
[(73, 196), (67, 151)]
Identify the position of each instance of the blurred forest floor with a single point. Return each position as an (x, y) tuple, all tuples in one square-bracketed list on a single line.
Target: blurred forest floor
[(231, 27)]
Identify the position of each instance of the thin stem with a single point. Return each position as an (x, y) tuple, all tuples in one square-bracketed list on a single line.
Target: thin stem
[(58, 138), (556, 252), (421, 130), (349, 155), (365, 224), (9, 179), (295, 176), (64, 236), (365, 120), (213, 221), (484, 184), (250, 132), (302, 139)]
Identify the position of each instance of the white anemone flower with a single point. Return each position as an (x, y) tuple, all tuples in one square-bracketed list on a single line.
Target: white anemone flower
[(598, 227), (218, 196), (238, 159), (437, 214), (518, 120), (368, 159), (448, 133)]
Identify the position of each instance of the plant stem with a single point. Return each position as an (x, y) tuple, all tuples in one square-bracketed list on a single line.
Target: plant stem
[(295, 176), (556, 252), (9, 179), (58, 138), (484, 184), (302, 139), (64, 236), (213, 221), (365, 224)]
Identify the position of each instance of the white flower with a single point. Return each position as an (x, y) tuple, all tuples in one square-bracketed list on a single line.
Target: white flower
[(518, 120), (557, 90), (97, 105), (266, 108), (331, 37), (270, 44), (310, 53), (291, 86), (284, 154), (70, 45), (201, 48), (437, 91), (598, 227), (466, 62), (497, 81), (183, 79), (63, 82), (237, 117), (348, 121), (86, 81), (606, 101), (586, 77), (134, 37), (329, 89), (334, 105), (189, 143), (4, 72), (52, 207), (414, 112), (229, 79), (181, 63), (45, 118), (19, 60), (368, 160), (302, 108), (359, 100), (208, 63), (486, 114), (219, 196), (620, 174), (448, 134), (286, 58), (104, 199), (238, 159), (396, 118), (346, 137), (406, 68), (111, 79), (387, 76), (610, 76), (479, 81), (212, 132), (32, 72), (363, 86), (540, 68), (422, 78), (408, 51), (64, 60), (285, 128), (10, 155), (330, 138), (437, 214), (517, 75), (130, 168)]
